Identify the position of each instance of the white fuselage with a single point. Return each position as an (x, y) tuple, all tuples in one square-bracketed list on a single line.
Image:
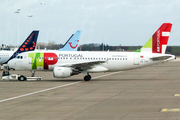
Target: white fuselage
[(5, 56), (113, 61)]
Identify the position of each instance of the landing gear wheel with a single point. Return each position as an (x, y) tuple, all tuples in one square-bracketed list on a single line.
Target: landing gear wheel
[(87, 78), (21, 78)]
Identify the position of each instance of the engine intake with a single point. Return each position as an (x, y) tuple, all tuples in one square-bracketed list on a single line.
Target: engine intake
[(63, 72)]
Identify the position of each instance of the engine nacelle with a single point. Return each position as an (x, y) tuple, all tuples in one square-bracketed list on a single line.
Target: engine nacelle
[(62, 72)]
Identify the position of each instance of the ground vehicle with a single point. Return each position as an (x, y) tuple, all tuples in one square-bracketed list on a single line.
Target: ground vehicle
[(7, 76)]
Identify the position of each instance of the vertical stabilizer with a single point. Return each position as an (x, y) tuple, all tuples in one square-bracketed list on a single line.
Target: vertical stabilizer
[(72, 43), (158, 42), (28, 45)]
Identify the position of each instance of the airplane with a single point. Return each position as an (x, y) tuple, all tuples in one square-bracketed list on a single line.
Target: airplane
[(28, 45), (72, 43), (68, 63)]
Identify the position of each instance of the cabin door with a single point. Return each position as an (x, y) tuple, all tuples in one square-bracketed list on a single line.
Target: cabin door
[(136, 59)]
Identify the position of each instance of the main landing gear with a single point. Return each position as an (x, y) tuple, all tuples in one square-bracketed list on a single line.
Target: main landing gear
[(87, 77)]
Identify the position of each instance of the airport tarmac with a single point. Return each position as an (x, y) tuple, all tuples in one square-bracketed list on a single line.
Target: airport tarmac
[(141, 94)]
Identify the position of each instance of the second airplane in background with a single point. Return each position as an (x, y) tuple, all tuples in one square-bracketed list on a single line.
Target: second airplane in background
[(28, 45)]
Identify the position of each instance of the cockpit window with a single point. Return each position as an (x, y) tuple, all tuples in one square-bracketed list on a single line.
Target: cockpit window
[(19, 57)]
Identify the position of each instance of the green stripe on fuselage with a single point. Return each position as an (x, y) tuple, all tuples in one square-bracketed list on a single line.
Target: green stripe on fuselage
[(37, 61)]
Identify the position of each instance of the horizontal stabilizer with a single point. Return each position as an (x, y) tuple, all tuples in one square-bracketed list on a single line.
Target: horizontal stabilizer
[(160, 58)]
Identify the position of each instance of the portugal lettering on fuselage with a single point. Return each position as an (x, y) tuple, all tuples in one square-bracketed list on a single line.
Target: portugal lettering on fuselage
[(70, 55)]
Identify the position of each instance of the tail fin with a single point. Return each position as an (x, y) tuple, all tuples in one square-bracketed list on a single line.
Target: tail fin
[(28, 45), (158, 42), (72, 43)]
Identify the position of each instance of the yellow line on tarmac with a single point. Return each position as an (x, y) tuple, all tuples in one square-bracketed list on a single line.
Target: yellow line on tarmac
[(170, 110), (176, 94)]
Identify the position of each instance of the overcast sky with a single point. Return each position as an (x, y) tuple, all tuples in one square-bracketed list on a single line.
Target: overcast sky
[(113, 22)]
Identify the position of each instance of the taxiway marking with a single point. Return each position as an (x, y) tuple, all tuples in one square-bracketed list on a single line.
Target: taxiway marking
[(39, 91), (176, 94), (107, 74), (53, 88), (170, 110)]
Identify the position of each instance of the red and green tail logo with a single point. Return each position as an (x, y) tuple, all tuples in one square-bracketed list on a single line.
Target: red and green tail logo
[(158, 42)]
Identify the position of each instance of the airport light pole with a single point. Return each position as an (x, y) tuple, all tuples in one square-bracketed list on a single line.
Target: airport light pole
[(30, 16), (18, 10)]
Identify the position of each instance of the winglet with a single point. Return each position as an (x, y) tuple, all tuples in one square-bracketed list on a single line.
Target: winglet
[(72, 43), (158, 42)]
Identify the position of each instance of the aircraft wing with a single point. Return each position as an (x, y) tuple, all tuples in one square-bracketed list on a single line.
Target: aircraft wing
[(160, 58), (83, 65)]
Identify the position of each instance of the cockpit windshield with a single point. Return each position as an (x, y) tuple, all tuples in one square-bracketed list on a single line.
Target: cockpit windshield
[(19, 57)]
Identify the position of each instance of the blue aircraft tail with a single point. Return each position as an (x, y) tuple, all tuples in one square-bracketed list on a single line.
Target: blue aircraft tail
[(28, 45), (72, 43)]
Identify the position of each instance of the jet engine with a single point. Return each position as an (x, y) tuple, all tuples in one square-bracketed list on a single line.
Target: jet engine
[(63, 72)]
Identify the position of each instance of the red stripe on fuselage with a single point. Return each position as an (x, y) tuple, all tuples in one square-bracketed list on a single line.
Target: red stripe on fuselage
[(50, 59)]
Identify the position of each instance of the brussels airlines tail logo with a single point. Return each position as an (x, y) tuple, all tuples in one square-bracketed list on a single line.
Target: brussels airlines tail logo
[(28, 44), (73, 47)]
